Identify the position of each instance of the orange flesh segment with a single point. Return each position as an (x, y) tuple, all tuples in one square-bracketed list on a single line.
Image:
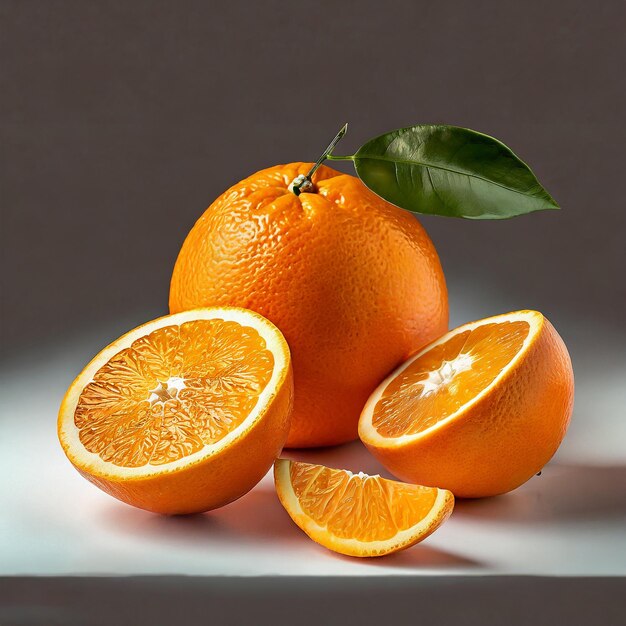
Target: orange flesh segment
[(439, 382), (172, 392), (356, 506)]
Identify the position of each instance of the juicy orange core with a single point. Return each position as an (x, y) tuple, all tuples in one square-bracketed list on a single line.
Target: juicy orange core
[(172, 392), (357, 506), (438, 383)]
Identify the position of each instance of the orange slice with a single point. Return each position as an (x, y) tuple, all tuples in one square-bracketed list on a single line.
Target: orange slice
[(183, 414), (479, 411), (357, 514)]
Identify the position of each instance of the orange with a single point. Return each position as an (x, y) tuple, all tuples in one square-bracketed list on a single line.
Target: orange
[(479, 411), (357, 514), (353, 282), (183, 414)]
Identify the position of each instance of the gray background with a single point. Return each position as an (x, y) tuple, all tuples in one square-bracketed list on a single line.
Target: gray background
[(122, 121)]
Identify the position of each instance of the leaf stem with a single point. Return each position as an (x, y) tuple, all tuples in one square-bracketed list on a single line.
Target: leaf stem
[(304, 183), (333, 157)]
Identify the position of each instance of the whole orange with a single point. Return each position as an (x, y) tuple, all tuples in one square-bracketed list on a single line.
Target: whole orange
[(353, 282)]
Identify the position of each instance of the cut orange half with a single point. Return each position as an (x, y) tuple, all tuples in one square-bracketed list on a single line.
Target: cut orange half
[(357, 514), (183, 414), (479, 411)]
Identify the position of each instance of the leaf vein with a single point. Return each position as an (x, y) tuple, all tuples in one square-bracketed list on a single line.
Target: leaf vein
[(432, 184), (453, 171)]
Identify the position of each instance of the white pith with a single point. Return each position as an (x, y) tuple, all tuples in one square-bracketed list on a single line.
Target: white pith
[(314, 530), (69, 433), (370, 435), (167, 390), (444, 375)]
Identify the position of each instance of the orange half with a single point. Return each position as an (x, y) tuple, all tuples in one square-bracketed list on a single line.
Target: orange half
[(357, 514), (184, 413), (479, 411)]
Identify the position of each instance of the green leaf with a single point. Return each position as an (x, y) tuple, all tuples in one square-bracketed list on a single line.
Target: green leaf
[(452, 171)]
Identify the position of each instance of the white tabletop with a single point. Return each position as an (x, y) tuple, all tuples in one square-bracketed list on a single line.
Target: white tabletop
[(570, 521)]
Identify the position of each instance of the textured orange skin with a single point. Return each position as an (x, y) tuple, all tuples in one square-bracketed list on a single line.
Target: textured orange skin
[(505, 438), (217, 480), (353, 282)]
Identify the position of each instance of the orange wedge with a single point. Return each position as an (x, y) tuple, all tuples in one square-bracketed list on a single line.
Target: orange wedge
[(183, 414), (357, 514), (479, 411)]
